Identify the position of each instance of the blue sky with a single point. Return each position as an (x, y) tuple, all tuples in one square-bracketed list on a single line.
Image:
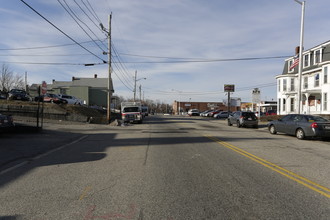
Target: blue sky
[(151, 36)]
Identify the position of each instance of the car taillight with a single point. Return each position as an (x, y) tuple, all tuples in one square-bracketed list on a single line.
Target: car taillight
[(314, 125)]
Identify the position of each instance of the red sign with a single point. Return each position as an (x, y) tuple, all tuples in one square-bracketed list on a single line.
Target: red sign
[(44, 87)]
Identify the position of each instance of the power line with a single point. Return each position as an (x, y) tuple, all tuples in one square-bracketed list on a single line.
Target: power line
[(97, 17), (58, 64), (88, 16), (62, 31), (74, 16), (93, 14), (45, 47), (211, 60)]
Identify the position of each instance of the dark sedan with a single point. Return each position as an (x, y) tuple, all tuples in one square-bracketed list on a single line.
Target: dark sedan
[(301, 126), (18, 94)]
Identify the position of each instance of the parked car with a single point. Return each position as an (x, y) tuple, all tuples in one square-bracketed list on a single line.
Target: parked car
[(204, 113), (243, 119), (212, 113), (52, 98), (193, 112), (6, 122), (271, 112), (221, 115), (71, 99), (18, 94), (301, 126)]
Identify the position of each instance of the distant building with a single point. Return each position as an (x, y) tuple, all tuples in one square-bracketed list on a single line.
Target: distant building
[(92, 90), (315, 83)]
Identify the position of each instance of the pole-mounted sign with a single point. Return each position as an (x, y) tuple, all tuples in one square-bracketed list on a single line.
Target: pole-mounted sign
[(44, 87)]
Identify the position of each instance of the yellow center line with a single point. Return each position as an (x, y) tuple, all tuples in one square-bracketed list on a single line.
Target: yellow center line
[(84, 193), (293, 176)]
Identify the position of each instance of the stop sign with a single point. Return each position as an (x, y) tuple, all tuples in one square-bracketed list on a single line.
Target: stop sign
[(44, 87)]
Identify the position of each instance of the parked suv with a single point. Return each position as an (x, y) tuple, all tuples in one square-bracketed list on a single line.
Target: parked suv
[(18, 94), (193, 112), (243, 119)]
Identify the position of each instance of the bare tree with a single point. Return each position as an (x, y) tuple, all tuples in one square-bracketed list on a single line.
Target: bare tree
[(9, 80)]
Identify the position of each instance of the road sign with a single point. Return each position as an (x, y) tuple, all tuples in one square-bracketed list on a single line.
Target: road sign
[(44, 87)]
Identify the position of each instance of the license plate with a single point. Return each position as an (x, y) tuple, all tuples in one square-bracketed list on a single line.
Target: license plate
[(249, 119), (327, 127)]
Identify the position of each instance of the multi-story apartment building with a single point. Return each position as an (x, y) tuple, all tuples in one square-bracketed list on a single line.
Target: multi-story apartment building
[(315, 83)]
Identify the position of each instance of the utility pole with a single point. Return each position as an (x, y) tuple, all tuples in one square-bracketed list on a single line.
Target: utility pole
[(140, 92), (109, 71), (26, 85), (135, 84)]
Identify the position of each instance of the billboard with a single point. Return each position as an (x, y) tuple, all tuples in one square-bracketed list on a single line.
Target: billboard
[(229, 88)]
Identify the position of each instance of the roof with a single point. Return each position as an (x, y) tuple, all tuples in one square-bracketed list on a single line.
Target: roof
[(325, 57), (77, 82)]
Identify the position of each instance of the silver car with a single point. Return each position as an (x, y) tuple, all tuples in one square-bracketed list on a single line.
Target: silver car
[(301, 126)]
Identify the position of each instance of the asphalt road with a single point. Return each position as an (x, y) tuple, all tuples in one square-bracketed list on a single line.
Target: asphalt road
[(166, 168)]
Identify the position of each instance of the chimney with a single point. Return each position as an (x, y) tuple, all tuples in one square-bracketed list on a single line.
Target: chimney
[(95, 76), (53, 81), (297, 50), (73, 78)]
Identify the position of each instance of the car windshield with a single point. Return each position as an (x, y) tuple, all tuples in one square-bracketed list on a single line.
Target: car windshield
[(131, 109)]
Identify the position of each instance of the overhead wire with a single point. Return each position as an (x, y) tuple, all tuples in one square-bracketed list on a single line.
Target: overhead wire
[(74, 16), (91, 11), (44, 47), (124, 70), (97, 26), (62, 31)]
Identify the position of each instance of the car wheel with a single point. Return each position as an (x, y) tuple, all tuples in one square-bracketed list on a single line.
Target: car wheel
[(238, 124), (300, 134), (228, 122), (272, 129)]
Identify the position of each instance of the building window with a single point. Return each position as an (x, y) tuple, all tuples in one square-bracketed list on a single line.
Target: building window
[(279, 106), (290, 69), (306, 82), (292, 104), (306, 60), (317, 80), (283, 104), (284, 84), (279, 85), (292, 85), (325, 75), (325, 101), (318, 56)]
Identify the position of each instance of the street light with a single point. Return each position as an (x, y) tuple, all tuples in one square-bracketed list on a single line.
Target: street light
[(301, 48), (135, 80), (179, 99)]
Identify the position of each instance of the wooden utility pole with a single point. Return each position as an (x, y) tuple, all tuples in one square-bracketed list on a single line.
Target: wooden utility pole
[(135, 85), (109, 71)]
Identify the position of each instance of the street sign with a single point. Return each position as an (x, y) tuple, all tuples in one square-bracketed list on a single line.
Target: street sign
[(44, 87)]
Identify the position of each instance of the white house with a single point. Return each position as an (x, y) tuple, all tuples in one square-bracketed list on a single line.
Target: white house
[(315, 83)]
